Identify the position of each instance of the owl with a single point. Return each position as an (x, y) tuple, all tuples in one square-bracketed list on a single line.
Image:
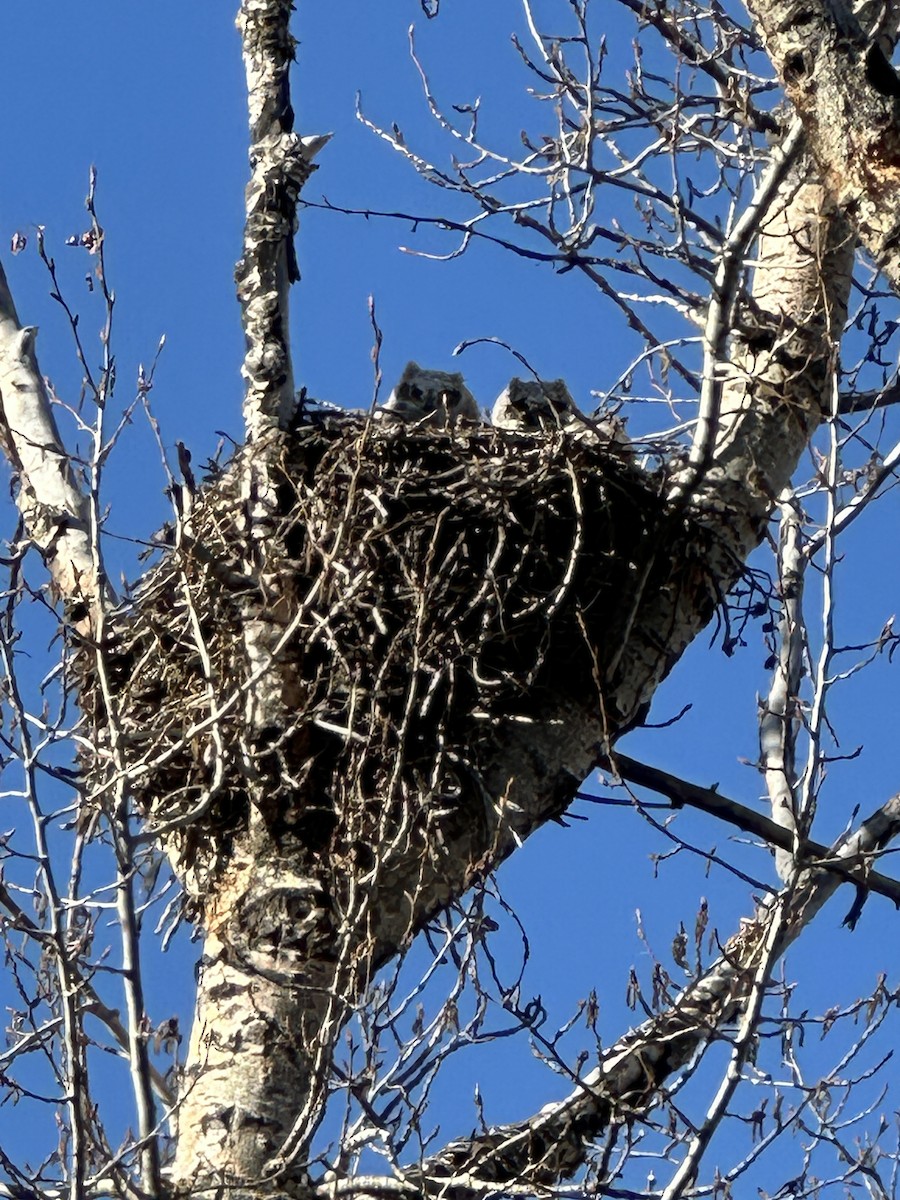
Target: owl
[(546, 405), (436, 398), (535, 406)]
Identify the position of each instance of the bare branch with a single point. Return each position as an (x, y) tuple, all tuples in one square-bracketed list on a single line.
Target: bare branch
[(779, 714), (55, 511), (708, 800), (91, 1001), (550, 1146)]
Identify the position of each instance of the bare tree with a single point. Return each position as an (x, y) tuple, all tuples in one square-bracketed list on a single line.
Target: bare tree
[(375, 652)]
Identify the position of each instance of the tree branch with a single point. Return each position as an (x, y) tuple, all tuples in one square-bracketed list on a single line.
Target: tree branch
[(864, 402), (91, 1001), (55, 511), (551, 1145), (707, 800)]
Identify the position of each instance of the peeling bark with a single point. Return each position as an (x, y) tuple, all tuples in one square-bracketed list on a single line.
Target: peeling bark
[(263, 1033), (281, 162), (832, 62)]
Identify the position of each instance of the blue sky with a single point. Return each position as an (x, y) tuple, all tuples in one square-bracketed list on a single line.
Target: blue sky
[(153, 96)]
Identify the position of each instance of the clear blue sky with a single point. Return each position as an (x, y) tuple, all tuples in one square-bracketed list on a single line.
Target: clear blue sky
[(153, 96)]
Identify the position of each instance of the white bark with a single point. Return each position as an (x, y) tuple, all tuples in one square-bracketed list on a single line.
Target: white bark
[(830, 58), (774, 394), (280, 162), (779, 718), (56, 513), (261, 1028)]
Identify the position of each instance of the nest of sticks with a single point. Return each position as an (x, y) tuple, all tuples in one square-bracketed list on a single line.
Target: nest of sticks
[(415, 587)]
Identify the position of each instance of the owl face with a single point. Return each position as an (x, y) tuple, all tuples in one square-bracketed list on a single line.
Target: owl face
[(436, 398), (546, 406), (536, 406)]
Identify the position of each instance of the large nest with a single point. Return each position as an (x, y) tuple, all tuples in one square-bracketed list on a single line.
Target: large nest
[(416, 588)]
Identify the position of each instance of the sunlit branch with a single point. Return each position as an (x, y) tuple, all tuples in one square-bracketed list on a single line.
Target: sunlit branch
[(779, 712), (53, 507), (281, 162), (720, 314), (90, 999)]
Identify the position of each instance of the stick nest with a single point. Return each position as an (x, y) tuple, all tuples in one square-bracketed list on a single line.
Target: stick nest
[(412, 589)]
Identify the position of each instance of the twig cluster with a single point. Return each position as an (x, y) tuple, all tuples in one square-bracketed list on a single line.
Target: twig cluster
[(421, 583)]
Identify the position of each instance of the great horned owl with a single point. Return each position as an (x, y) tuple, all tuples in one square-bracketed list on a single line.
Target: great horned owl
[(535, 405), (545, 405), (438, 398)]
